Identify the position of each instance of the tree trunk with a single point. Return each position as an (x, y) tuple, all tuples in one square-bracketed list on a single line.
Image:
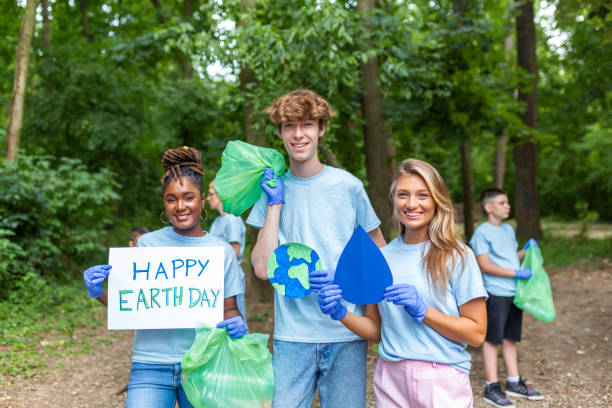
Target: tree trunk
[(467, 177), (22, 60), (330, 157), (159, 11), (257, 290), (185, 60), (85, 20), (501, 142), (525, 152), (376, 143), (46, 32)]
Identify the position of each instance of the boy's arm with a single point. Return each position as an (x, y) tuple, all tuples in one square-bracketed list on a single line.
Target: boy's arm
[(377, 237), (521, 255), (487, 266), (267, 241)]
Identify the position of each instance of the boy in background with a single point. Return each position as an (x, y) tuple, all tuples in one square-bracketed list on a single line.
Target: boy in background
[(495, 246), (232, 230), (135, 234)]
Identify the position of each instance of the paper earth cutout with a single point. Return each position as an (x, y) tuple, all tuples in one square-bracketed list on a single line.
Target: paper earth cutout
[(289, 267), (362, 272)]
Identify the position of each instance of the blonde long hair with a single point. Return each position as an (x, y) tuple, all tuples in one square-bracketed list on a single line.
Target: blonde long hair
[(444, 241)]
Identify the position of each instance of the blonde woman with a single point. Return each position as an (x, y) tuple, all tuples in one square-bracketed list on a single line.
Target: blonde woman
[(435, 307)]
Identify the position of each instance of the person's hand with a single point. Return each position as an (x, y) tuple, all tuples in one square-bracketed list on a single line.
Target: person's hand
[(236, 327), (275, 192), (329, 301), (94, 277), (320, 278), (522, 273), (530, 242), (404, 294)]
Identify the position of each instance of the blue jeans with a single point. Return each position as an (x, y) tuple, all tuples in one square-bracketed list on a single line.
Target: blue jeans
[(337, 369), (156, 386)]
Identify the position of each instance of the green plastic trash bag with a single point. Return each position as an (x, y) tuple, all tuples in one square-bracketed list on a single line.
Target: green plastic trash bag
[(242, 165), (222, 372), (534, 294)]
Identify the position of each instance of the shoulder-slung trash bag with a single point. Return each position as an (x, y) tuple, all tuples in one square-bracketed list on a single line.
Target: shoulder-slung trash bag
[(534, 294), (242, 165), (220, 372)]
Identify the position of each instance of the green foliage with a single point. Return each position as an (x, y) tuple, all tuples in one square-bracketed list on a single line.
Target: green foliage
[(52, 212)]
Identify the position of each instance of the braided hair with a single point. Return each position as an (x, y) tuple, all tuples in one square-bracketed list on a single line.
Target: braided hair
[(182, 162)]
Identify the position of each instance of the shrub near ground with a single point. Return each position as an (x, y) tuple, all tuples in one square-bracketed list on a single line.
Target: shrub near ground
[(51, 215)]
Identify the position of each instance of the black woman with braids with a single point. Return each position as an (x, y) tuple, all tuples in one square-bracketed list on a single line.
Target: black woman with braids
[(155, 380)]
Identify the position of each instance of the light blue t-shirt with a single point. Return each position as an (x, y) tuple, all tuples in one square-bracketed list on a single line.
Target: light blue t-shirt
[(230, 228), (500, 243), (167, 346), (321, 212), (403, 338)]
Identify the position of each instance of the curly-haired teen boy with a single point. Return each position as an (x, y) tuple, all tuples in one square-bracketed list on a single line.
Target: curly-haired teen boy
[(319, 206)]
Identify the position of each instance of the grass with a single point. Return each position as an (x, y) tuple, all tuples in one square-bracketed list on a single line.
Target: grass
[(565, 251), (41, 321)]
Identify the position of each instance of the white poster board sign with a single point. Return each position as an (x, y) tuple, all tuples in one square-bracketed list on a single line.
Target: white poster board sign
[(165, 287)]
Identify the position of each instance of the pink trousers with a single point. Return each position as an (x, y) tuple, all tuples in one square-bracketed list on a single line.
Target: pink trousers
[(420, 384)]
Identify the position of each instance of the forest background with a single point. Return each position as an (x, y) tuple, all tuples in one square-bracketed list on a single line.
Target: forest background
[(492, 93)]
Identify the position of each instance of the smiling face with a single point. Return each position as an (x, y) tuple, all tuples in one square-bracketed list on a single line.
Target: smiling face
[(414, 207), (184, 204), (301, 139)]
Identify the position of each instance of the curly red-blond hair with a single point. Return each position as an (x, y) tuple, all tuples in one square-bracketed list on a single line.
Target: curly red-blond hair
[(301, 104)]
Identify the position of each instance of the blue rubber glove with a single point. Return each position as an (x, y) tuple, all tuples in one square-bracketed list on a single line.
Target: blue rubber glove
[(329, 301), (522, 273), (531, 241), (404, 294), (320, 278), (236, 327), (275, 194), (94, 277)]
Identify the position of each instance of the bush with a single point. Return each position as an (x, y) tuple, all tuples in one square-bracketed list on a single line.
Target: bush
[(51, 214)]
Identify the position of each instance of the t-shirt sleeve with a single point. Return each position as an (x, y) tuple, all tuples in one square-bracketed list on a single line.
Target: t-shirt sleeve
[(234, 230), (232, 282), (257, 217), (466, 280), (479, 243), (366, 217)]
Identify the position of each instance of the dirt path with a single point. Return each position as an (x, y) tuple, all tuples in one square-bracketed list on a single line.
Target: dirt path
[(569, 360)]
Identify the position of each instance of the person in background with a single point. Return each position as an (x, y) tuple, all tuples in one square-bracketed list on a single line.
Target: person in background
[(135, 234), (231, 229), (495, 246)]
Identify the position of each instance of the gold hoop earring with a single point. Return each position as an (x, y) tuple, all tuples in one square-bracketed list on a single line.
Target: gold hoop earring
[(205, 215), (161, 217)]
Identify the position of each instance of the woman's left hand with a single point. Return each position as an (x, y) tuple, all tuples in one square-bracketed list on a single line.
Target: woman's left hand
[(405, 294), (236, 327)]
